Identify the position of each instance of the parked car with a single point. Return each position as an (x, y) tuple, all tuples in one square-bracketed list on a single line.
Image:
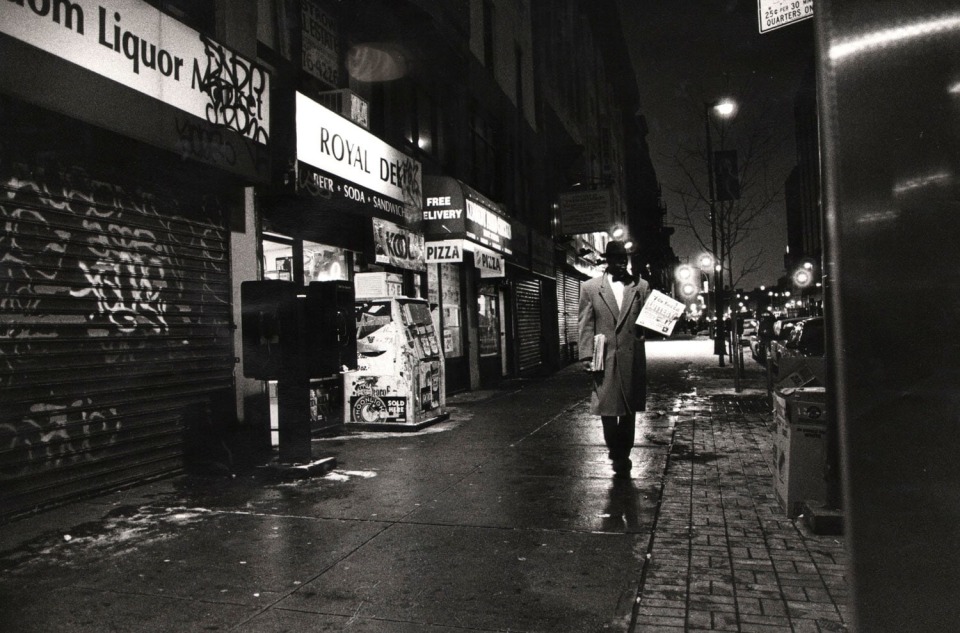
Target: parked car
[(763, 333), (807, 338), (770, 331)]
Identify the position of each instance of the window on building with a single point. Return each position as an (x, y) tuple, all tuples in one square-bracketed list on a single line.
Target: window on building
[(410, 116), (483, 168), (518, 71), (197, 14), (488, 33), (426, 124)]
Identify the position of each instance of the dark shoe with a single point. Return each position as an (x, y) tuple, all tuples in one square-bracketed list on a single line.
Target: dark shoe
[(621, 467)]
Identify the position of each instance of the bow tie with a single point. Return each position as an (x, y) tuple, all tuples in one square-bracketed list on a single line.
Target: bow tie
[(621, 277)]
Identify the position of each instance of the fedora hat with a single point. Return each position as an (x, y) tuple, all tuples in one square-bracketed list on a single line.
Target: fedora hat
[(614, 248)]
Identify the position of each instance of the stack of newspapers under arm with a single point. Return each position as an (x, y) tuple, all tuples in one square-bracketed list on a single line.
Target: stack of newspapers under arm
[(599, 348)]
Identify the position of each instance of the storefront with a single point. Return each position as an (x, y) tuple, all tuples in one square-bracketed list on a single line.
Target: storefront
[(544, 271), (572, 271), (532, 309), (349, 213), (466, 241), (119, 177), (568, 302)]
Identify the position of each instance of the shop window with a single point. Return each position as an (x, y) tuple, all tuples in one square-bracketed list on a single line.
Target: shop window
[(324, 263), (277, 260), (443, 294)]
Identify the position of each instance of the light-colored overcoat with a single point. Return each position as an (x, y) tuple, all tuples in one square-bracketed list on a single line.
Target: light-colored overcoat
[(621, 388)]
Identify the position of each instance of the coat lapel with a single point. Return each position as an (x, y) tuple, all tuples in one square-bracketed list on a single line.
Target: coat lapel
[(606, 293), (629, 292)]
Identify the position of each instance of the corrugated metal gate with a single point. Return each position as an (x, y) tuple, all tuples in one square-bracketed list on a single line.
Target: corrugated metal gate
[(568, 300), (528, 323), (117, 342), (561, 316)]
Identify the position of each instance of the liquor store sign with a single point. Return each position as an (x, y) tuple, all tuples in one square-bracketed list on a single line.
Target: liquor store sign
[(138, 46)]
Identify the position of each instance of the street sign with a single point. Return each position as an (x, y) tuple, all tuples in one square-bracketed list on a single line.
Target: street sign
[(773, 14)]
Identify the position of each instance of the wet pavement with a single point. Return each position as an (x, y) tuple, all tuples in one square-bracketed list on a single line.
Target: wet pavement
[(506, 517)]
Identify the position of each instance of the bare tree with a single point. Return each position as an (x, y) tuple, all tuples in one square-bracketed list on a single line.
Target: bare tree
[(757, 139)]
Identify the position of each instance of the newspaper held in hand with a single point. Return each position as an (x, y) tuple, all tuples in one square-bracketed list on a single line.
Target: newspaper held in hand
[(660, 313), (599, 349)]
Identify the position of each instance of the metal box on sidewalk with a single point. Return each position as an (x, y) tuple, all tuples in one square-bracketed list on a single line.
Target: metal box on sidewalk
[(799, 447)]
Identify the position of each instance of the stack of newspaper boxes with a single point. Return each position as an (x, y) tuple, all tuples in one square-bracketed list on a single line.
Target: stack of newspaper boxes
[(799, 447)]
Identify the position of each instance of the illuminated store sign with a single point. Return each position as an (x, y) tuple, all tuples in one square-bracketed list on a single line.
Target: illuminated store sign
[(353, 163), (451, 209), (138, 46), (489, 264)]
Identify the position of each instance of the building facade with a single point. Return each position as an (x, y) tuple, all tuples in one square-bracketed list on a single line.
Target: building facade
[(158, 154)]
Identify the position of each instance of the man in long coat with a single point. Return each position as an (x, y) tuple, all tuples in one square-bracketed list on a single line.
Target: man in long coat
[(610, 305)]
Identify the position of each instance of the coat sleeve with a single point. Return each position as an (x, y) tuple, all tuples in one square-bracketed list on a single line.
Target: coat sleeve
[(586, 323)]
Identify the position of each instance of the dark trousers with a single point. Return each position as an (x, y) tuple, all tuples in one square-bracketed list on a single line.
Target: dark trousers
[(618, 433)]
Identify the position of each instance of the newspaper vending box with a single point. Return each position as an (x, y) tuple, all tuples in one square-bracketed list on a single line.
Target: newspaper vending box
[(399, 381)]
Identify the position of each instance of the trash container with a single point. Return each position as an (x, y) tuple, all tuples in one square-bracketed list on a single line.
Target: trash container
[(800, 448)]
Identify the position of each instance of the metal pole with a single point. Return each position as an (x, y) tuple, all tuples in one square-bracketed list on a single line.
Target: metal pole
[(718, 342)]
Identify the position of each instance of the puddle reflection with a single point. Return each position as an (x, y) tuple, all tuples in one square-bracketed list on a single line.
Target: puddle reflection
[(621, 513)]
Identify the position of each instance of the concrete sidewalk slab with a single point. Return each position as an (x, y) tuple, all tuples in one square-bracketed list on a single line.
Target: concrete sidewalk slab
[(520, 580)]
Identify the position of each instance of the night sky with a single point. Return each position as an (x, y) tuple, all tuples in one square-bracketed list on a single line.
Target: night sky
[(686, 52)]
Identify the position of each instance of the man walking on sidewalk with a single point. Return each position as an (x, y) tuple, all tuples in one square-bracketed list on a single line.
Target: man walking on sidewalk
[(610, 305)]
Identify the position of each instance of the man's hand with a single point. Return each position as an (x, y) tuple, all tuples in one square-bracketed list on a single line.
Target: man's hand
[(587, 364)]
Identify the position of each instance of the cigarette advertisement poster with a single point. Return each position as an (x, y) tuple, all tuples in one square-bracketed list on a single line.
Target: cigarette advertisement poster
[(660, 313)]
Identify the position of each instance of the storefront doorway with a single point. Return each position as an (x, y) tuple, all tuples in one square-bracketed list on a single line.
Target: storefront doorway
[(489, 323)]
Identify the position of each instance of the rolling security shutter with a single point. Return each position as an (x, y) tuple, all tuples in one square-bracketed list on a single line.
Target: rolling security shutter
[(571, 309), (561, 315), (528, 323), (115, 304)]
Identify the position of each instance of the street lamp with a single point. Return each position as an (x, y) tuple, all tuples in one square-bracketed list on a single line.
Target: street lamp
[(724, 108)]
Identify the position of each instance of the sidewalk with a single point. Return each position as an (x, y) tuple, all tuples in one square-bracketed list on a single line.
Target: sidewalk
[(505, 517), (724, 557)]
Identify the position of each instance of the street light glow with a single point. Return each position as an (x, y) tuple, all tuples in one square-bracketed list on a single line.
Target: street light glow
[(684, 273), (802, 278), (725, 108)]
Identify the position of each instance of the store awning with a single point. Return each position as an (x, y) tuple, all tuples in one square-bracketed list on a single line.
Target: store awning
[(453, 210)]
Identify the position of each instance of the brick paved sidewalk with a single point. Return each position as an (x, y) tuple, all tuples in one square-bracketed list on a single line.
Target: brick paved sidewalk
[(724, 557)]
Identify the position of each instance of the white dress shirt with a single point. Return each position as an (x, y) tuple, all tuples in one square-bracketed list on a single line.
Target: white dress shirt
[(617, 287)]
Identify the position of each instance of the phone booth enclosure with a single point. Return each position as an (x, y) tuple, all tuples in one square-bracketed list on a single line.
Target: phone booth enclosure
[(269, 328), (400, 374), (330, 336)]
